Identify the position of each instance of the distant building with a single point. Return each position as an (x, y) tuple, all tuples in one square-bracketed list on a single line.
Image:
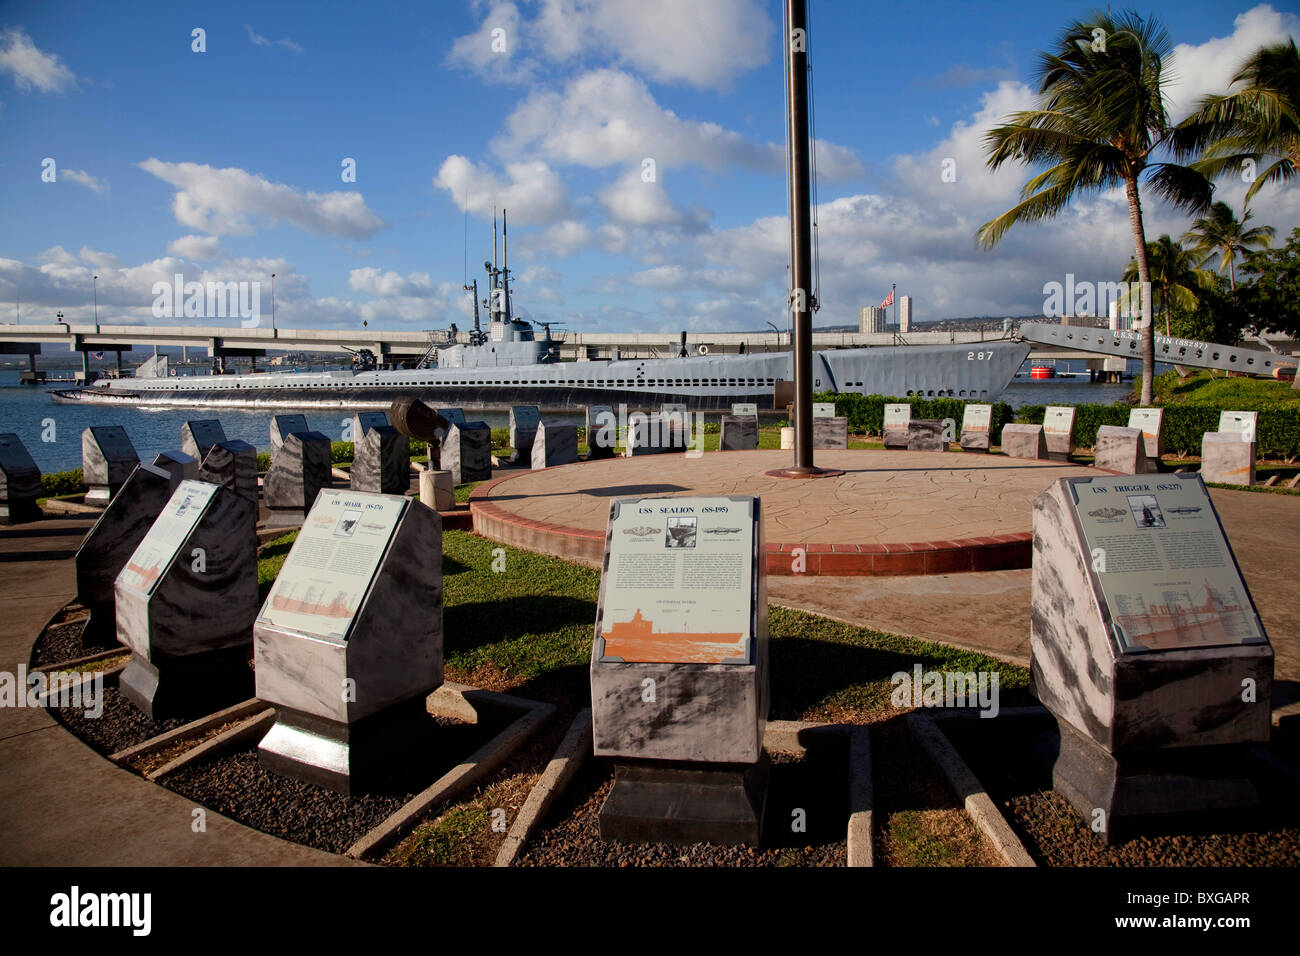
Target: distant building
[(1084, 321), (904, 313), (873, 319), (1120, 318)]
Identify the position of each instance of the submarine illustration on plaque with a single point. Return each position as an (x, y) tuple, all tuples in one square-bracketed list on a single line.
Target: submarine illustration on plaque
[(636, 641)]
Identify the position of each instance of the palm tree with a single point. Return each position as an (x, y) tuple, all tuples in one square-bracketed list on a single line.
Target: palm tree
[(1174, 276), (1220, 233), (1101, 117), (1259, 122)]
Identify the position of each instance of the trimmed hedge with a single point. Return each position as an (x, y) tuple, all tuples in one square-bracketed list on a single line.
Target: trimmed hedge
[(58, 483), (866, 413), (1278, 434)]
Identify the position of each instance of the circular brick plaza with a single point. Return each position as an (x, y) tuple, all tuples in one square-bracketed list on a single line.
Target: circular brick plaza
[(890, 513)]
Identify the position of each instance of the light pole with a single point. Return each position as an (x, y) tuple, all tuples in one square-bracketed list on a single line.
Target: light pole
[(273, 302), (96, 295), (778, 333)]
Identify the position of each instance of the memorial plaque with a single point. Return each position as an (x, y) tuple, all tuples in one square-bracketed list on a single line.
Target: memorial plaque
[(109, 545), (198, 437), (976, 423), (455, 416), (830, 432), (1148, 421), (358, 603), (897, 417), (107, 458), (1143, 636), (524, 420), (654, 435), (683, 610), (1239, 423), (467, 452), (381, 460), (823, 410), (738, 433), (20, 482), (1119, 449), (602, 432), (300, 468), (744, 409), (1024, 441), (179, 466), (362, 422), (1058, 429), (555, 443), (232, 464), (186, 600), (282, 426)]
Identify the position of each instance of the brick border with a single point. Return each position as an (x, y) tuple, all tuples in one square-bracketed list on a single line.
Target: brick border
[(1003, 552)]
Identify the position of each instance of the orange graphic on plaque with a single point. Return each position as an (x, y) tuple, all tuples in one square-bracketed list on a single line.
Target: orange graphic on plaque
[(636, 641), (336, 608), (149, 575)]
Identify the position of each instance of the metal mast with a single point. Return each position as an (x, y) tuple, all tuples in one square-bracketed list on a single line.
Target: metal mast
[(796, 62)]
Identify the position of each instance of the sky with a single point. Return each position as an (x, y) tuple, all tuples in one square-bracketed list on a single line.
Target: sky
[(356, 151)]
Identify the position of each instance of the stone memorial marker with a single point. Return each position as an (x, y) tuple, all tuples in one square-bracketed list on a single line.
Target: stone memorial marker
[(1119, 449), (1228, 455), (1058, 429), (1243, 424), (178, 465), (111, 542), (524, 420), (300, 468), (1024, 441), (381, 457), (654, 435), (976, 425), (20, 482), (744, 409), (186, 600), (349, 641), (830, 432), (926, 434), (198, 437), (739, 433), (555, 443), (455, 416), (679, 670), (1146, 647), (823, 410), (282, 426), (107, 459), (467, 452), (1149, 421), (602, 432), (232, 464), (897, 417)]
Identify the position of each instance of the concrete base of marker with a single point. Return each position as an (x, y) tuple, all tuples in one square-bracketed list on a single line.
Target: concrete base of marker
[(925, 434), (348, 758), (1119, 450), (897, 437), (654, 802), (1024, 441), (1137, 791), (975, 441), (98, 496), (187, 686), (830, 433), (737, 433), (1227, 459), (437, 491), (19, 511)]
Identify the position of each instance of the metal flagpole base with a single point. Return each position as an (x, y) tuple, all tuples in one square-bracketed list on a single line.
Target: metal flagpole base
[(805, 471)]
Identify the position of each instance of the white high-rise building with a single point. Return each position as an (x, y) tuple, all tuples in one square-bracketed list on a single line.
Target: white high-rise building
[(904, 313), (873, 319)]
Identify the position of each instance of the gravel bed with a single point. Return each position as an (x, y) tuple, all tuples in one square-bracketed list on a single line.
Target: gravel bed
[(120, 726), (62, 642), (817, 784), (1055, 834), (305, 813)]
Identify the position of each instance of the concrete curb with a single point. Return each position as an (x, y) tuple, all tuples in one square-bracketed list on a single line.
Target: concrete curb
[(192, 729), (570, 755), (464, 775), (862, 846), (925, 731), (254, 728)]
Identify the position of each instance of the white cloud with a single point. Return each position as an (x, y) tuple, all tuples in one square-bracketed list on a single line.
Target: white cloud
[(225, 201), (705, 45), (259, 40), (634, 201), (203, 248), (532, 191), (31, 67), (85, 179), (608, 117), (380, 283)]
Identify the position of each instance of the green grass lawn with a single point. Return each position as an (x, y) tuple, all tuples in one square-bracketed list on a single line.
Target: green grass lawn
[(1215, 388), (528, 628)]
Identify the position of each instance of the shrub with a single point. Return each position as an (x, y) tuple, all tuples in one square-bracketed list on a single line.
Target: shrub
[(58, 483), (866, 413)]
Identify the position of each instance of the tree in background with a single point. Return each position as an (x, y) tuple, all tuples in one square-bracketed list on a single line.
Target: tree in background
[(1270, 291), (1100, 119), (1175, 278), (1219, 233)]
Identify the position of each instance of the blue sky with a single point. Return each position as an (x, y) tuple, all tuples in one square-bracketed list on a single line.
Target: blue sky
[(226, 164)]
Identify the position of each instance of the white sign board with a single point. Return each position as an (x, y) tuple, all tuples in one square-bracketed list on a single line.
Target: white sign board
[(164, 538), (977, 418), (898, 415), (744, 409), (1059, 420), (1239, 423), (823, 410)]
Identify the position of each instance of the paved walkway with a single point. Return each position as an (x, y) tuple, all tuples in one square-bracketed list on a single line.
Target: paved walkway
[(60, 802)]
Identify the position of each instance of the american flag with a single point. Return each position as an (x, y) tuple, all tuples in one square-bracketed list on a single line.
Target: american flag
[(889, 300)]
